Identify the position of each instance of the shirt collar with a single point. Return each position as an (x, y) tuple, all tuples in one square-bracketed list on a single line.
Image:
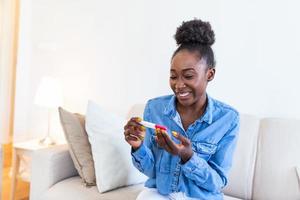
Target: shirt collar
[(170, 108), (207, 117), (208, 113)]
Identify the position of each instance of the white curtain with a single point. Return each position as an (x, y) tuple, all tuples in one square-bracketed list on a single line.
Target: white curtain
[(8, 49)]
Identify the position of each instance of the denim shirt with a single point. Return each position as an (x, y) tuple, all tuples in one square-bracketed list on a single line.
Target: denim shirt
[(213, 137)]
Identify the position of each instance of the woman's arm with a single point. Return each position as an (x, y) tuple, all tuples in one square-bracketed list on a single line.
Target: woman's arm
[(143, 158)]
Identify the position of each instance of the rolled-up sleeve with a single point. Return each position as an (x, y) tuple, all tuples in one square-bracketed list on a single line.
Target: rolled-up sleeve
[(143, 158)]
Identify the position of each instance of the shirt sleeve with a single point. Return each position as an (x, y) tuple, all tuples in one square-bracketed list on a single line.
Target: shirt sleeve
[(212, 174), (143, 158)]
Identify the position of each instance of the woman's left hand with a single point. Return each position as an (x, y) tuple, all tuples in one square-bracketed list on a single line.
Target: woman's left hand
[(183, 150)]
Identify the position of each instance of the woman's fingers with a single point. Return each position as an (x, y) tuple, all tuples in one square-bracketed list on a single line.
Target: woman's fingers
[(171, 144), (131, 137), (137, 132), (162, 144), (134, 133), (181, 138), (134, 128), (162, 141), (134, 121), (183, 150)]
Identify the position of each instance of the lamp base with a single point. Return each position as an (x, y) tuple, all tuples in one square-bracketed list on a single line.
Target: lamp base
[(47, 141)]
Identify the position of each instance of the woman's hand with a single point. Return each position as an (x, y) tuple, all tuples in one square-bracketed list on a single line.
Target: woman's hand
[(134, 132), (183, 150)]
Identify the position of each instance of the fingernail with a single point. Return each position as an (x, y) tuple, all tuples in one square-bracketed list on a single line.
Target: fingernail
[(141, 137), (174, 133), (138, 119)]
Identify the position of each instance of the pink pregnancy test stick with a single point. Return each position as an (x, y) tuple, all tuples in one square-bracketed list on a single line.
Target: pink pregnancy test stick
[(153, 126)]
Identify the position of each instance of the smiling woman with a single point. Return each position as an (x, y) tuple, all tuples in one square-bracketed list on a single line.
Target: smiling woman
[(192, 158)]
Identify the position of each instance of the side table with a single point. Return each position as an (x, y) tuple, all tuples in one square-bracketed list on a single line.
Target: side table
[(20, 150)]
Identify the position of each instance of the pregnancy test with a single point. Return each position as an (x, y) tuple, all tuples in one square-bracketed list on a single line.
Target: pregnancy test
[(153, 126)]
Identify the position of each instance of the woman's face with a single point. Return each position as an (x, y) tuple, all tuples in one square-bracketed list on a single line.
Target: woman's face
[(189, 77)]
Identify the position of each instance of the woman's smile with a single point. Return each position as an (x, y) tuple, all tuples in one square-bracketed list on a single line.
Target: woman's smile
[(183, 95)]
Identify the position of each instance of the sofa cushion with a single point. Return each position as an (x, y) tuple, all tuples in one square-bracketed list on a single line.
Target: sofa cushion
[(230, 198), (73, 189), (79, 146), (242, 171), (277, 156)]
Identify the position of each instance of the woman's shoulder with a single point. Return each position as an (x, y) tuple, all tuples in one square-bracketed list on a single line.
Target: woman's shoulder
[(157, 107)]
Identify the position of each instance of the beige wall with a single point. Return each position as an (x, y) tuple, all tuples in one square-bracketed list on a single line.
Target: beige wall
[(118, 52)]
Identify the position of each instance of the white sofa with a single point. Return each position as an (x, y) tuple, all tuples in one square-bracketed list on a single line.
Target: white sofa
[(264, 167)]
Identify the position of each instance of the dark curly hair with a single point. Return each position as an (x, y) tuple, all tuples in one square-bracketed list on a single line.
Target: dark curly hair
[(196, 36)]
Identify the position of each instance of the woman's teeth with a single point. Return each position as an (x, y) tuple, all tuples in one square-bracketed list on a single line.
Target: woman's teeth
[(183, 94)]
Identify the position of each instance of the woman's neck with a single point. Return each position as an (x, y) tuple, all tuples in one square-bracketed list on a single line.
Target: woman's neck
[(191, 113), (197, 107)]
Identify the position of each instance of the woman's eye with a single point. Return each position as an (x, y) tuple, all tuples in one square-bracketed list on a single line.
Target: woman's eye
[(188, 76), (173, 77)]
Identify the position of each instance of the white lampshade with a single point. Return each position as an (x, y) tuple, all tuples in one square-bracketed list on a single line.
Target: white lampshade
[(49, 93)]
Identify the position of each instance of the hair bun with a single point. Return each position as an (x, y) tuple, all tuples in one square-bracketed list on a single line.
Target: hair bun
[(195, 32)]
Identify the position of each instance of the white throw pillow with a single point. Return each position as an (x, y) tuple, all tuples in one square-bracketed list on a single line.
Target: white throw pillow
[(110, 151)]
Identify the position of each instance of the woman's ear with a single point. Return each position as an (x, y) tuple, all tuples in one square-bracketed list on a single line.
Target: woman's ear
[(210, 74)]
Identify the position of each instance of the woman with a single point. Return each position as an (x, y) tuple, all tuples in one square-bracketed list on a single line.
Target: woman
[(192, 159)]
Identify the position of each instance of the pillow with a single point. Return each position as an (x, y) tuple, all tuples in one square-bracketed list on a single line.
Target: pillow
[(111, 152), (79, 146)]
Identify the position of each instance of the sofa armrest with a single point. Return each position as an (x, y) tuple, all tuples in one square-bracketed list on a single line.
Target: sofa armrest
[(50, 166)]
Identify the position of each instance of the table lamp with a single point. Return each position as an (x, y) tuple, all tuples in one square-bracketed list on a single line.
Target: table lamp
[(49, 95)]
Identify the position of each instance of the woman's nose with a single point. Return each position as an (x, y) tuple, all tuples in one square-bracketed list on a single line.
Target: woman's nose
[(179, 85)]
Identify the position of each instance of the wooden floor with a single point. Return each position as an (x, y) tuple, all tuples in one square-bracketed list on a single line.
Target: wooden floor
[(22, 191)]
